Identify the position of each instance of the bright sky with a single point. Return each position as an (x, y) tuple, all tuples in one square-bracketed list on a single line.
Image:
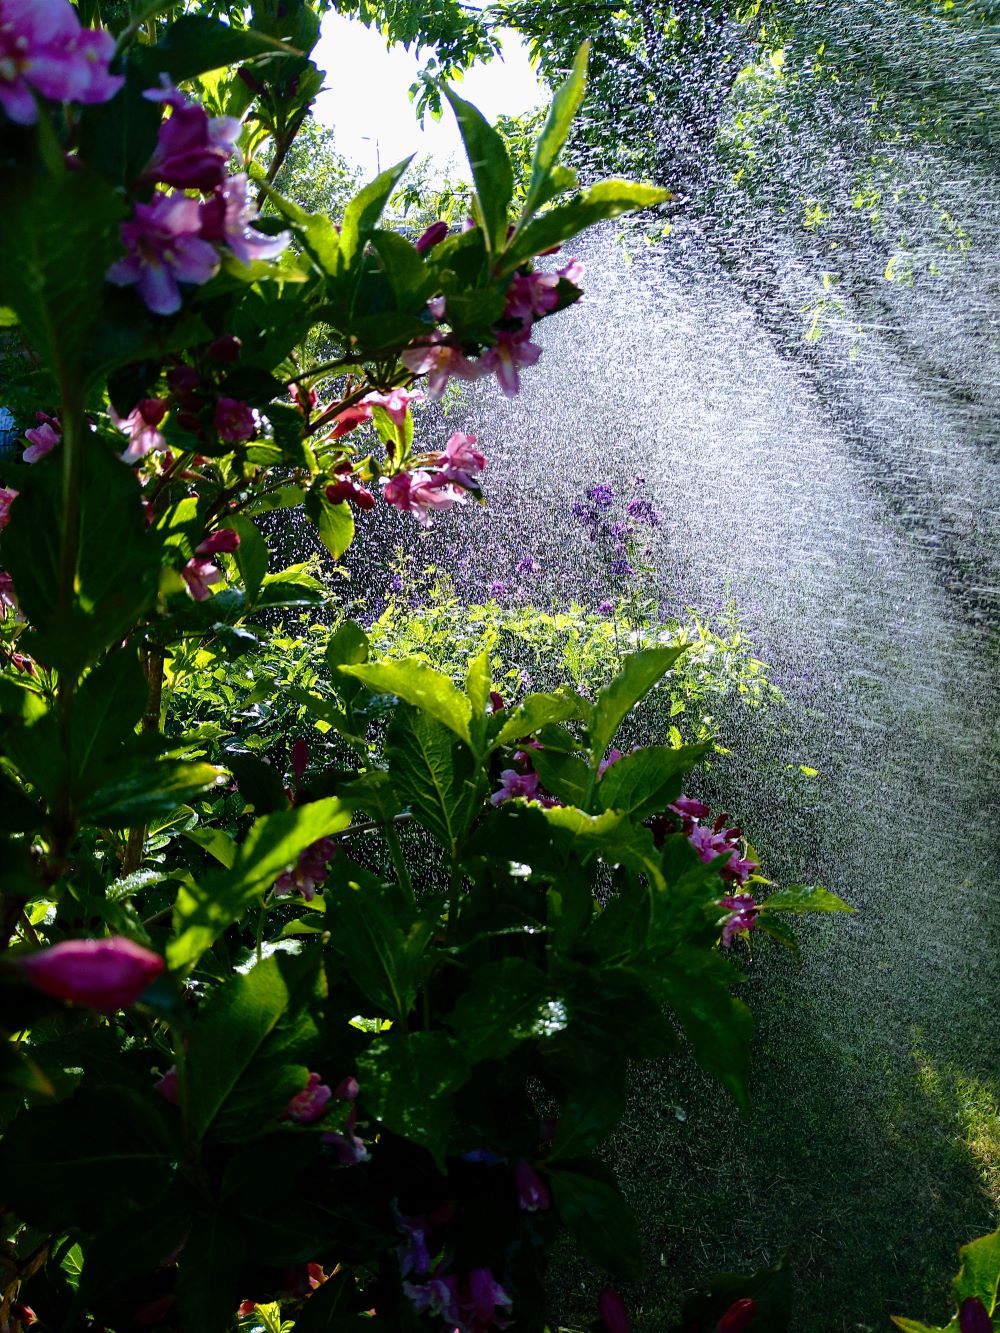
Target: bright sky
[(367, 101)]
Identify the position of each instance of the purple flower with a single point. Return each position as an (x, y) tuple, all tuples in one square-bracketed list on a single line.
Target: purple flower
[(103, 974), (572, 272), (481, 1303), (434, 235), (310, 1103), (605, 764), (226, 219), (8, 597), (438, 1296), (309, 872), (514, 785), (350, 1150), (44, 50), (743, 913), (168, 1087), (607, 608), (603, 494), (643, 512), (497, 588), (439, 362), (532, 1192), (164, 247), (223, 539), (512, 351), (234, 421), (192, 148), (621, 568), (689, 808), (460, 461), (526, 565)]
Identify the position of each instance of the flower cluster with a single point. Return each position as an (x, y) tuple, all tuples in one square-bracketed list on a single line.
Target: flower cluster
[(200, 573), (175, 238), (442, 484), (45, 51), (475, 1305), (349, 1149)]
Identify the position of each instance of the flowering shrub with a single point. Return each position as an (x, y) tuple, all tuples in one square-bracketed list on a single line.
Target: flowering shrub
[(344, 1048)]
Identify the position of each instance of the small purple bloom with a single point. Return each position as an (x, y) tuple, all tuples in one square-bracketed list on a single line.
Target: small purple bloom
[(44, 50), (514, 785), (438, 1296), (603, 494), (607, 608), (605, 764), (44, 439), (164, 247), (532, 1192), (621, 568), (167, 1086), (192, 148), (743, 913), (234, 421), (526, 565), (531, 295), (497, 588), (643, 511)]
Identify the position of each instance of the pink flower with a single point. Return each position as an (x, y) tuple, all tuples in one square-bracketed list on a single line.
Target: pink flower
[(439, 363), (512, 351), (349, 419), (436, 306), (309, 872), (532, 1192), (742, 918), (224, 539), (396, 403), (44, 438), (226, 219), (515, 785), (103, 974), (199, 575), (689, 808), (531, 295), (167, 1086), (234, 421), (310, 1103), (605, 764), (8, 598), (141, 427), (572, 272), (484, 1303), (164, 248), (192, 149), (460, 460), (434, 235), (421, 493), (349, 1148), (7, 497), (44, 50)]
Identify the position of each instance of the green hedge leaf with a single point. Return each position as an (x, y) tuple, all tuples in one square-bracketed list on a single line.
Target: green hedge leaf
[(408, 1081), (640, 672), (491, 169), (592, 1208), (423, 687)]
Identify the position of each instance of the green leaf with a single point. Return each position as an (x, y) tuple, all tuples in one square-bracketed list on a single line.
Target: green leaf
[(805, 898), (348, 646), (409, 1080), (979, 1274), (251, 555), (208, 1273), (420, 685), (108, 706), (912, 1326), (434, 775), (565, 105), (333, 522), (202, 912), (226, 1038), (193, 45), (592, 1208), (559, 224), (610, 835), (534, 711), (362, 214), (508, 1003), (478, 682), (491, 169), (589, 1114), (378, 938), (644, 782), (142, 790), (108, 596), (215, 841), (566, 776), (640, 672), (290, 588), (70, 1165)]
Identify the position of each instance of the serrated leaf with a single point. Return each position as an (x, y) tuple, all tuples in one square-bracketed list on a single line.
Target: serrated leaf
[(640, 672), (420, 685), (534, 711), (433, 775), (644, 782)]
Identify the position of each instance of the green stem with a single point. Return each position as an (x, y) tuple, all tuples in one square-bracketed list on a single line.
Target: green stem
[(399, 861), (454, 898), (73, 442)]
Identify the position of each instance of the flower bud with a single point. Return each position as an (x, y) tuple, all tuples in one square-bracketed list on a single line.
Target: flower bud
[(103, 974), (532, 1192), (224, 349), (225, 539), (434, 235), (973, 1317), (739, 1316), (611, 1309)]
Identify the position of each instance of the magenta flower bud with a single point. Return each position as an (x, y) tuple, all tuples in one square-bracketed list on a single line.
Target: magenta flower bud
[(347, 1089), (192, 149), (183, 379), (223, 540), (738, 1317), (234, 420), (497, 704), (225, 349), (7, 497), (103, 974), (300, 758), (434, 235), (532, 1192), (611, 1309), (973, 1317), (167, 1086)]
